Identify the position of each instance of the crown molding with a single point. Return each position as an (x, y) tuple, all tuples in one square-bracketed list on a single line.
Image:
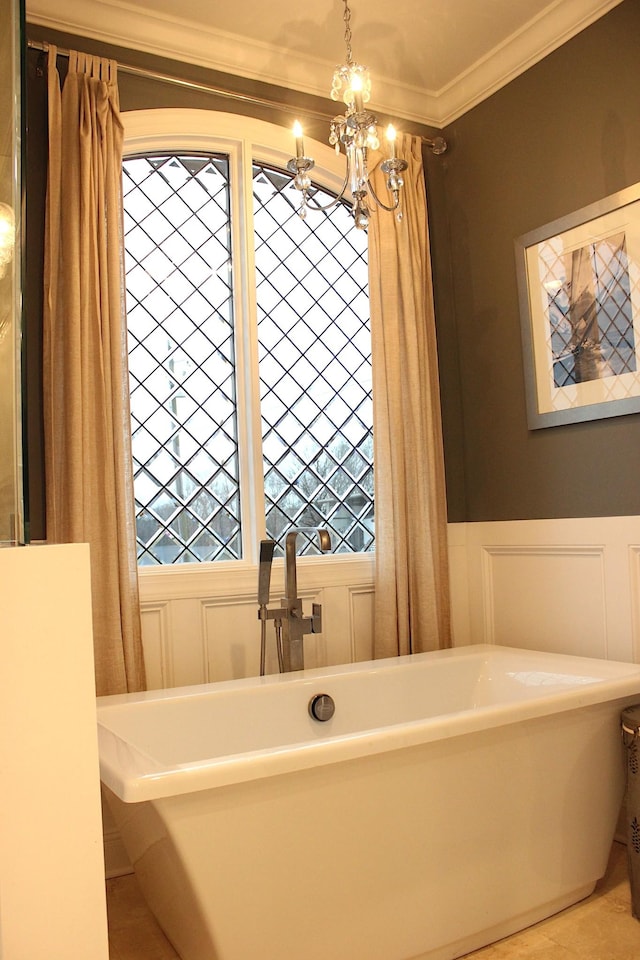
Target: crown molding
[(552, 28), (126, 25)]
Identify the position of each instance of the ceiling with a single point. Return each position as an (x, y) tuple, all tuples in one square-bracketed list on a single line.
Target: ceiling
[(430, 60)]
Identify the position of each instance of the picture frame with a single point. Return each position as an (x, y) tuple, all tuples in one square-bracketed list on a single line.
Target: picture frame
[(579, 292)]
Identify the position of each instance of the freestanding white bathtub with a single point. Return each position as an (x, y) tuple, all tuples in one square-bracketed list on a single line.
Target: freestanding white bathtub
[(454, 798)]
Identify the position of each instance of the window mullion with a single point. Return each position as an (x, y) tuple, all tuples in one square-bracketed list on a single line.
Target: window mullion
[(248, 387)]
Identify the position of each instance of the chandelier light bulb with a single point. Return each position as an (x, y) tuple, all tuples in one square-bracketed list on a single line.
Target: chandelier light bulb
[(356, 86), (391, 139), (297, 132)]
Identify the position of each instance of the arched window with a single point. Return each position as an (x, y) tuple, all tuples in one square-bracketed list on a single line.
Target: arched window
[(249, 347)]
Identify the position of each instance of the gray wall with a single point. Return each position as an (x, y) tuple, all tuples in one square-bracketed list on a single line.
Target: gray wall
[(563, 135)]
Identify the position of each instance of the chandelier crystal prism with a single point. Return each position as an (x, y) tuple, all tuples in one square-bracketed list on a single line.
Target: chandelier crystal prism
[(355, 131)]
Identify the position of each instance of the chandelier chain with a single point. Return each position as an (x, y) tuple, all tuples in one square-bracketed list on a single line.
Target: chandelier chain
[(347, 30)]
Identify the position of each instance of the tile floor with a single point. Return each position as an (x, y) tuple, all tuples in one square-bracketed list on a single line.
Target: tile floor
[(599, 928)]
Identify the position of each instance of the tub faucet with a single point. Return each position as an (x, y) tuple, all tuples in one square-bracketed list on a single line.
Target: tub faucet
[(291, 624), (295, 625)]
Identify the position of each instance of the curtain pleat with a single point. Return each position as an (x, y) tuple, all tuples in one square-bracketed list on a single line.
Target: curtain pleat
[(89, 472), (412, 582)]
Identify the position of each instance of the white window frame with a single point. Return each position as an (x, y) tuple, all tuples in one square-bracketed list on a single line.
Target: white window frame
[(243, 139)]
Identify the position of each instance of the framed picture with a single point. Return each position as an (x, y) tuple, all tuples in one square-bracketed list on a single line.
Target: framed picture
[(579, 287)]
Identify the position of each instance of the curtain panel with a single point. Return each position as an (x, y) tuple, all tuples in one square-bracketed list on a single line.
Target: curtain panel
[(89, 482), (412, 581)]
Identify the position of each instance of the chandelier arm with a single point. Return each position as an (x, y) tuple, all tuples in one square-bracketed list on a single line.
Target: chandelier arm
[(379, 202), (318, 206)]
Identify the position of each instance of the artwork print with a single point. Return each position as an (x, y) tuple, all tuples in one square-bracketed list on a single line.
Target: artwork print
[(580, 306)]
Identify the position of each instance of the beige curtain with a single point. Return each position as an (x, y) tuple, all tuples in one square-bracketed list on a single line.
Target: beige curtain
[(412, 590), (86, 395)]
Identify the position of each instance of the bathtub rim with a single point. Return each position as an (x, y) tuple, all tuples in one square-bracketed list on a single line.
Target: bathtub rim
[(135, 776)]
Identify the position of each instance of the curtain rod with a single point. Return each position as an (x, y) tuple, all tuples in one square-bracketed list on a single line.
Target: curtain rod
[(438, 145)]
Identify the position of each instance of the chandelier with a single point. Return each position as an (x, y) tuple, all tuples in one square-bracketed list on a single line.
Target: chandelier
[(357, 131)]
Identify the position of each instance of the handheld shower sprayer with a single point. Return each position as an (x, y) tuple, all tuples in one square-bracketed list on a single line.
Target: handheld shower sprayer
[(264, 587), (264, 572)]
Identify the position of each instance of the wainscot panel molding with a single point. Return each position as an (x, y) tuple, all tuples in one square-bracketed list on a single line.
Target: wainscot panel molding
[(200, 622), (157, 650), (634, 579), (568, 585), (360, 615), (560, 598)]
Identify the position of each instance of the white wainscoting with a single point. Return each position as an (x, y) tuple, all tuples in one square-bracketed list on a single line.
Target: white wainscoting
[(569, 585), (200, 623)]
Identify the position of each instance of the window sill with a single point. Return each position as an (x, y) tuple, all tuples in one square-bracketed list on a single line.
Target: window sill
[(239, 579)]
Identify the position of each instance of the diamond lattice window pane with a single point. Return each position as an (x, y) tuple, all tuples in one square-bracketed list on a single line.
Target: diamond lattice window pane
[(183, 443), (184, 486), (315, 366)]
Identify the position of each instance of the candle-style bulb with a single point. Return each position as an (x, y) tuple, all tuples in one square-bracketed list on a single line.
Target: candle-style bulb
[(356, 86), (297, 132), (391, 138)]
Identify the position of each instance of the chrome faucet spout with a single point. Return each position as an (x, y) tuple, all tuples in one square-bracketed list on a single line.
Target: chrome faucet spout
[(291, 581)]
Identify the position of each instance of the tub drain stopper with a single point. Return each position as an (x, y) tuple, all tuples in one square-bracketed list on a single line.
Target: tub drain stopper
[(322, 707)]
